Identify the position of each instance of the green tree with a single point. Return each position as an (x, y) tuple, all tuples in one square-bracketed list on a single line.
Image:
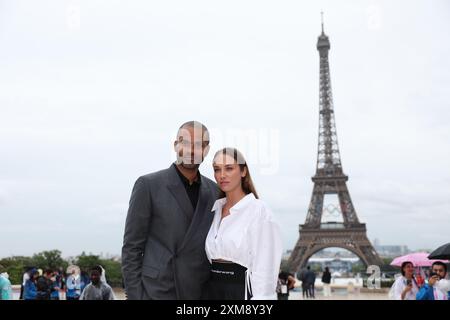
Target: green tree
[(387, 261), (87, 261), (113, 272), (316, 268), (112, 268), (49, 259), (15, 266), (358, 267), (386, 267)]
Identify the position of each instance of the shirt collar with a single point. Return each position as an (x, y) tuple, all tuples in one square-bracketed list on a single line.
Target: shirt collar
[(218, 204), (186, 180), (238, 206)]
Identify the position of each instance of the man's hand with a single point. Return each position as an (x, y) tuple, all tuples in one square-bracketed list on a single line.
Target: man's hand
[(433, 280)]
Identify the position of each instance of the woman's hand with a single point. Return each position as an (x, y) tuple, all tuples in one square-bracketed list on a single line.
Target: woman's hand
[(407, 289)]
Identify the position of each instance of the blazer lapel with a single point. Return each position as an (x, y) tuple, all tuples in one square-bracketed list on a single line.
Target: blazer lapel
[(199, 214), (179, 192)]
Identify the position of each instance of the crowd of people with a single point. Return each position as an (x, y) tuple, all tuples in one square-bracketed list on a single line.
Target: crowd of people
[(55, 284), (410, 285), (413, 287)]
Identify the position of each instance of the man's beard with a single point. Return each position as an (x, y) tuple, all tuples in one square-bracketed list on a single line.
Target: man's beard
[(189, 166), (191, 163)]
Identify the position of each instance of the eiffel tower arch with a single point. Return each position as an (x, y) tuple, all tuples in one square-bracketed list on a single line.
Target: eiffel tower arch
[(330, 179), (312, 241)]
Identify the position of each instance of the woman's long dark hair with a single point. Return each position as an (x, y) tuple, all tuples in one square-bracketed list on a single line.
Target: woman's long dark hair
[(246, 182)]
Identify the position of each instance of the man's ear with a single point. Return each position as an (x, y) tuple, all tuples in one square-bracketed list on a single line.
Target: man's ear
[(175, 146), (206, 151)]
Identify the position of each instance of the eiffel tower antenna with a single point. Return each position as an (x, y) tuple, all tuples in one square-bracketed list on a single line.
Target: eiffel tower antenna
[(321, 14)]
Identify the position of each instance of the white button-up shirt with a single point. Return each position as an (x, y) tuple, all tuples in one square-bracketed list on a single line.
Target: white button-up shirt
[(248, 236)]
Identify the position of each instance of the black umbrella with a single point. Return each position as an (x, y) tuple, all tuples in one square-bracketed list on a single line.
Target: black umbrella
[(443, 252)]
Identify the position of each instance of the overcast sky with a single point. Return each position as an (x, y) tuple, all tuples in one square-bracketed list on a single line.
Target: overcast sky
[(92, 94)]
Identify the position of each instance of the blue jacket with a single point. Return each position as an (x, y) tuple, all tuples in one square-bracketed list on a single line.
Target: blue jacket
[(55, 293), (29, 291), (425, 293)]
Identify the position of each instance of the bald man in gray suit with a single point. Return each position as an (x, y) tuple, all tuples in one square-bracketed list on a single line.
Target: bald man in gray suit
[(169, 216)]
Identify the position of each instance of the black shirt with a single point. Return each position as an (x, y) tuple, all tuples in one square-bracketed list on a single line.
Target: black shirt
[(193, 189)]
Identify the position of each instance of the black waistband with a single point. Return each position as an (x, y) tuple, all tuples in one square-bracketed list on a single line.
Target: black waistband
[(228, 271)]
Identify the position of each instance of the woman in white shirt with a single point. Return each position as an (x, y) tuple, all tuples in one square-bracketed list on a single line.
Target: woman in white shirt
[(405, 287), (244, 242)]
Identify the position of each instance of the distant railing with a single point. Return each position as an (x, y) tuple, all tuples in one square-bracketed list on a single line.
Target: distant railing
[(332, 225)]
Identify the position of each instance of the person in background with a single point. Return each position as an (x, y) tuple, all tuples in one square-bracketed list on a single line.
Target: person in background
[(97, 289), (44, 285), (405, 287), (25, 277), (285, 283), (5, 285), (310, 278), (430, 290), (63, 288), (56, 285), (326, 280), (103, 279), (30, 290), (73, 286), (301, 275)]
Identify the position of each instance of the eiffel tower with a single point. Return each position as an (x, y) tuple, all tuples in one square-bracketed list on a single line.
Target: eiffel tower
[(330, 180)]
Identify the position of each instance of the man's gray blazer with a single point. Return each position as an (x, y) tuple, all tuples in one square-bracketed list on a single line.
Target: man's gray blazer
[(163, 253)]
